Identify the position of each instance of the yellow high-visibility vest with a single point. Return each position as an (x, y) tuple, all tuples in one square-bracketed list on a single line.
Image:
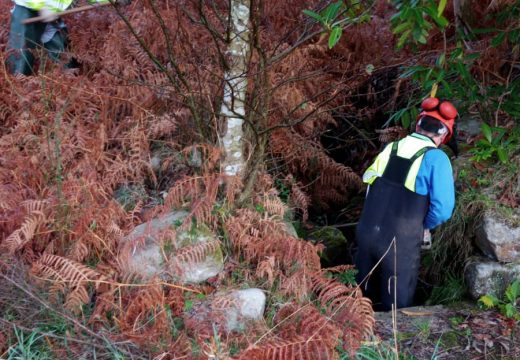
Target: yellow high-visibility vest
[(54, 5), (407, 148)]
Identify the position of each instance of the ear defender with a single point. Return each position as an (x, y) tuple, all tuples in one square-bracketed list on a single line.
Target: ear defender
[(442, 110)]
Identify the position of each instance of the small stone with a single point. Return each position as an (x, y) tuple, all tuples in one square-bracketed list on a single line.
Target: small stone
[(252, 303), (155, 163), (226, 312)]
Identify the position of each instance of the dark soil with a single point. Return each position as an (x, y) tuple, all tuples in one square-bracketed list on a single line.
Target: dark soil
[(461, 332)]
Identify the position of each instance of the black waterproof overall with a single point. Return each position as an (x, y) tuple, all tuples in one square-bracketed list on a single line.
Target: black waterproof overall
[(391, 211)]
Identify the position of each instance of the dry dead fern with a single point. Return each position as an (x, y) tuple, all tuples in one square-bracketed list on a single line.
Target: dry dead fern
[(346, 306), (67, 276), (297, 347), (20, 237), (392, 134), (144, 317)]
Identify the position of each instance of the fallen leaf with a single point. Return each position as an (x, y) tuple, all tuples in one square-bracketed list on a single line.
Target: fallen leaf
[(417, 313)]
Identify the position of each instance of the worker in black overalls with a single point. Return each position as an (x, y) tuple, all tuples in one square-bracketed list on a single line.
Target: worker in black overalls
[(410, 191)]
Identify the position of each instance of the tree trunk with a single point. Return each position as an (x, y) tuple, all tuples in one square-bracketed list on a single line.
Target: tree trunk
[(233, 104)]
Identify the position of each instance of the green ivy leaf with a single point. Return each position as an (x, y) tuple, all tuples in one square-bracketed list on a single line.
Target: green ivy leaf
[(441, 60), (497, 40), (515, 286), (422, 39), (473, 56), (335, 35), (403, 38), (486, 131), (502, 155), (405, 120), (332, 11), (401, 27), (313, 15), (513, 291), (510, 310), (489, 300), (441, 7)]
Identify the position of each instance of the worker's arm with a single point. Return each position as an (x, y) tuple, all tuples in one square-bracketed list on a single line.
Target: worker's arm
[(435, 178)]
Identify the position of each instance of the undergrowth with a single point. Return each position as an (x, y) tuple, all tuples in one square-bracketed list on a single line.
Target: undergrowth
[(88, 156)]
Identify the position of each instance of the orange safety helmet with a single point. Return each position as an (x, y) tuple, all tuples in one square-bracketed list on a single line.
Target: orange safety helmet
[(444, 111)]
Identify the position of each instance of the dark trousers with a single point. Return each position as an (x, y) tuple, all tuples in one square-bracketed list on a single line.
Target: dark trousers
[(390, 211), (24, 40), (394, 279)]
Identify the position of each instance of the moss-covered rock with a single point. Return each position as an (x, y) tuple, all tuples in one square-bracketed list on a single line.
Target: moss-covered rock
[(336, 244), (156, 248), (488, 277)]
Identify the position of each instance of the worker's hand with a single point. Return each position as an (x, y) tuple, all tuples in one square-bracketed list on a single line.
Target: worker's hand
[(48, 15), (427, 240)]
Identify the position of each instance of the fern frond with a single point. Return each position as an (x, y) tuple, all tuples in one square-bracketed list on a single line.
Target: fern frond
[(392, 134), (195, 253), (347, 307), (20, 237), (300, 200), (233, 186), (79, 251), (57, 268), (274, 206), (114, 229), (35, 205), (267, 269), (134, 319), (307, 321), (105, 304), (188, 188), (180, 349), (297, 285), (201, 191), (297, 347), (76, 298), (162, 125)]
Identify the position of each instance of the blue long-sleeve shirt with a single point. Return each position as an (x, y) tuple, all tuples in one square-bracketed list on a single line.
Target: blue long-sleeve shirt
[(434, 177)]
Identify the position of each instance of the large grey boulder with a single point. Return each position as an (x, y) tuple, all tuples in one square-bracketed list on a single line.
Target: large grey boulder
[(498, 239), (488, 277), (226, 312), (156, 248)]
